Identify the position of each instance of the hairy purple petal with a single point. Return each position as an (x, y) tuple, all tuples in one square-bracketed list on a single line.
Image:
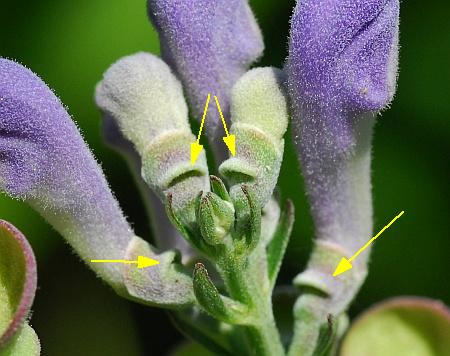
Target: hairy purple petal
[(342, 70), (44, 161), (209, 44), (343, 55)]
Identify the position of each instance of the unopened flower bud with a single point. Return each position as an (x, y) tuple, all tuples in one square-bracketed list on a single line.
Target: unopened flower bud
[(144, 97), (215, 218), (259, 118), (209, 45)]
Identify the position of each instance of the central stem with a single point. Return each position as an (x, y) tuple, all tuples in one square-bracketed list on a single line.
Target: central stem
[(243, 284)]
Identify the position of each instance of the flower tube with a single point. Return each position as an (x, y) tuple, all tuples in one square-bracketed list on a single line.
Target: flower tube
[(342, 71), (209, 45), (45, 162)]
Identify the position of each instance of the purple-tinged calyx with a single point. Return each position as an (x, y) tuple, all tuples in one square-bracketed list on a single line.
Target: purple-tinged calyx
[(209, 44)]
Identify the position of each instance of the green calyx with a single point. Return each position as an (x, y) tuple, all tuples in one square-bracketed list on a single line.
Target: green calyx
[(215, 217), (166, 284), (257, 162), (228, 222), (222, 308), (259, 117), (145, 99), (223, 225)]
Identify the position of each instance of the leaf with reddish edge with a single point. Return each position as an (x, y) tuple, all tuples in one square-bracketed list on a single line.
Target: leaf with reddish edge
[(401, 326), (18, 280)]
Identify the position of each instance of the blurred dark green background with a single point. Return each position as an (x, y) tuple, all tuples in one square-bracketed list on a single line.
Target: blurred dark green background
[(70, 44)]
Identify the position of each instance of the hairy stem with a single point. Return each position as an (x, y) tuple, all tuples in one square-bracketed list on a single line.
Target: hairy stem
[(244, 283)]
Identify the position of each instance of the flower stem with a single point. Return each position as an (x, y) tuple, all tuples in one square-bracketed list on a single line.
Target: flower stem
[(243, 281)]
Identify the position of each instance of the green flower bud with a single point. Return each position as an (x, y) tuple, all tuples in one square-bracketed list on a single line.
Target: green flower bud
[(220, 307), (215, 218), (278, 244), (259, 116), (247, 230), (146, 100)]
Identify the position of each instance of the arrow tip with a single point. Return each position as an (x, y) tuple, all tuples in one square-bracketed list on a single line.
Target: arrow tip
[(343, 266), (230, 141), (144, 262), (196, 148)]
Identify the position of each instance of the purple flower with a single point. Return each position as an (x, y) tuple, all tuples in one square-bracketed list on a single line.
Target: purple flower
[(44, 161), (342, 69), (209, 44), (343, 54)]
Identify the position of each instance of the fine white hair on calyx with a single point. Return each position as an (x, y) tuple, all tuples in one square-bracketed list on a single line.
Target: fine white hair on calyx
[(145, 98), (258, 99)]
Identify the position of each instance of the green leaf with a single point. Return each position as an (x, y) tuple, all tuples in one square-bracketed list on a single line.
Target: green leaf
[(202, 329), (329, 335), (326, 337), (24, 343), (248, 218), (410, 326), (191, 348), (176, 222), (17, 284), (278, 244), (215, 218)]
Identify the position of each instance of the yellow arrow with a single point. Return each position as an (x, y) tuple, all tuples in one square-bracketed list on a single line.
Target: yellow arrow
[(196, 147), (230, 140), (142, 262), (345, 264)]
